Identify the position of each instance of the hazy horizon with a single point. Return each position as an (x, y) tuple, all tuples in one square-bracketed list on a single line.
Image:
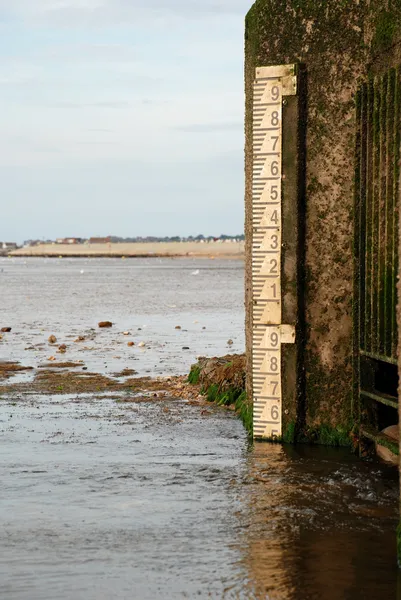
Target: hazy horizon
[(87, 237), (121, 116)]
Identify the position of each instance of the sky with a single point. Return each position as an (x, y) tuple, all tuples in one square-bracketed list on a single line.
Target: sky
[(121, 117)]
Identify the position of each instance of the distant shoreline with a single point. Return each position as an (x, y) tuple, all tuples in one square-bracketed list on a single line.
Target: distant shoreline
[(231, 250)]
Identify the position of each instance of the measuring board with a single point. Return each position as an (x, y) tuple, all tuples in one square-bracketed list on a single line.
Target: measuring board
[(270, 87)]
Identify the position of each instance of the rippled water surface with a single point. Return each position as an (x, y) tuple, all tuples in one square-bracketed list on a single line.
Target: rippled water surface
[(102, 499), (147, 297)]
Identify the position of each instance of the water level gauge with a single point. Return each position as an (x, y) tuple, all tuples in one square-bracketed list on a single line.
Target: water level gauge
[(272, 84)]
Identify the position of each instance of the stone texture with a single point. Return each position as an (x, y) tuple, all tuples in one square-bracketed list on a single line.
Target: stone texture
[(339, 43)]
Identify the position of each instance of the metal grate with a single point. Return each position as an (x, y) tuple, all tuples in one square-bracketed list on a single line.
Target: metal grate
[(376, 215)]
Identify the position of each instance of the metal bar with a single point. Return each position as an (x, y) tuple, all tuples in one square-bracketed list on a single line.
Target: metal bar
[(388, 307), (383, 399), (382, 226), (362, 212), (378, 437), (397, 100), (369, 206), (357, 253), (387, 359), (375, 216)]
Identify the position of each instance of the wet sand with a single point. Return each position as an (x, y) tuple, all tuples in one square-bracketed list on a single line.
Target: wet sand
[(159, 249)]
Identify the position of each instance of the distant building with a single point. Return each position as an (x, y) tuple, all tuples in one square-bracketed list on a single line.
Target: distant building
[(32, 243), (69, 240), (73, 241), (8, 245), (100, 240)]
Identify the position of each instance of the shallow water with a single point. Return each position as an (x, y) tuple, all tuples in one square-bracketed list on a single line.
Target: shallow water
[(102, 499), (147, 297)]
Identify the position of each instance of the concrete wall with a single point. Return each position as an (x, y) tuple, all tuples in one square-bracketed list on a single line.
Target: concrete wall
[(340, 43)]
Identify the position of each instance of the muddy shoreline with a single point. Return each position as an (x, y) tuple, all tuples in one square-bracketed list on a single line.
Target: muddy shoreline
[(70, 378)]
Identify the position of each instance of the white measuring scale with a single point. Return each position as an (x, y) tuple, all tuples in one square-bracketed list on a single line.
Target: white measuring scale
[(270, 87)]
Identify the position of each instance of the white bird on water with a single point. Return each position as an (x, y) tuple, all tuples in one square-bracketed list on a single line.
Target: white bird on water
[(195, 272)]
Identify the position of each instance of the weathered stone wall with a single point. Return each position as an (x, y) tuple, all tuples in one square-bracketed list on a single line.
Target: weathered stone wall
[(339, 42)]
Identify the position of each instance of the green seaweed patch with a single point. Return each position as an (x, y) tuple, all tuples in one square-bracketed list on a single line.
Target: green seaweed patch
[(232, 397), (327, 435), (194, 375), (289, 436)]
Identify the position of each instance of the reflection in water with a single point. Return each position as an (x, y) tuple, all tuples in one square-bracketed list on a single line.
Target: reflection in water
[(321, 525), (164, 500)]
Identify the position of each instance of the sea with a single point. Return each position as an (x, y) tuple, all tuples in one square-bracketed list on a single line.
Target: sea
[(103, 500)]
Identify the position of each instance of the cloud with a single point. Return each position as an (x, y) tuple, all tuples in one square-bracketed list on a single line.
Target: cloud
[(95, 12), (210, 127), (114, 105), (100, 130), (132, 103)]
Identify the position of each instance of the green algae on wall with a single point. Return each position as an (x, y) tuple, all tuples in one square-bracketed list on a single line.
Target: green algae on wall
[(385, 29)]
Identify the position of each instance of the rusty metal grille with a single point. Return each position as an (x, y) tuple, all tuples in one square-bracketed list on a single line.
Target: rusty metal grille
[(376, 215)]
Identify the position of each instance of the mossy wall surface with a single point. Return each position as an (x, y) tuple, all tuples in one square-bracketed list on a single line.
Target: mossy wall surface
[(339, 42)]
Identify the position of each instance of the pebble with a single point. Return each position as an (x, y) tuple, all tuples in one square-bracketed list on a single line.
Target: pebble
[(105, 324), (52, 358), (52, 339), (178, 327), (185, 348), (141, 344), (125, 332), (5, 329), (130, 344), (230, 343)]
